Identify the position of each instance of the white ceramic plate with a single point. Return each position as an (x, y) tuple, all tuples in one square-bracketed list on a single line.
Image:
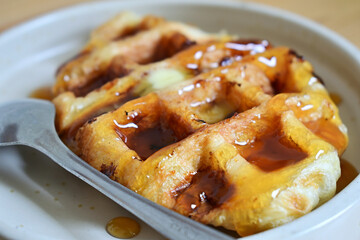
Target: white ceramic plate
[(40, 200)]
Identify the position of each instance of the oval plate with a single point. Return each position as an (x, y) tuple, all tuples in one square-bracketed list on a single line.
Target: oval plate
[(40, 200)]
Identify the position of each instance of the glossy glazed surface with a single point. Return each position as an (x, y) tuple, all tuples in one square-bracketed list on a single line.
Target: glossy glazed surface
[(329, 67)]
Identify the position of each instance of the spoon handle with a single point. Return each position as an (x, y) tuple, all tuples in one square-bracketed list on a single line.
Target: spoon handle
[(31, 123)]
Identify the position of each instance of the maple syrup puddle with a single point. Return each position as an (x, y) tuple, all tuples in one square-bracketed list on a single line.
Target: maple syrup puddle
[(272, 151), (148, 141), (336, 98), (44, 93), (348, 174), (123, 227), (208, 189)]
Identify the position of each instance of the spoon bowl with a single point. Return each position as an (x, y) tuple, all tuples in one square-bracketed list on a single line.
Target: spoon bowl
[(30, 122)]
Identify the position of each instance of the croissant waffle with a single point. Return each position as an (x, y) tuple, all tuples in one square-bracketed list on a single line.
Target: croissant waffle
[(237, 134)]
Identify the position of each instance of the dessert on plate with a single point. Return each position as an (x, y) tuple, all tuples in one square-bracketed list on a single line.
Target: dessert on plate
[(229, 132)]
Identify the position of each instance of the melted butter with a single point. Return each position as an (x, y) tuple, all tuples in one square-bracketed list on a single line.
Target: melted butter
[(42, 93), (123, 227), (214, 112), (328, 131), (209, 105), (165, 77), (159, 79), (271, 151), (336, 98), (348, 174)]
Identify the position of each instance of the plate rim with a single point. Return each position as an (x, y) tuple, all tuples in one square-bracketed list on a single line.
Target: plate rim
[(287, 230), (333, 36)]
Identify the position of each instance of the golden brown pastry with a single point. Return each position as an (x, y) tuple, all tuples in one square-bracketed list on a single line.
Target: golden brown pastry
[(246, 138), (150, 40), (73, 111)]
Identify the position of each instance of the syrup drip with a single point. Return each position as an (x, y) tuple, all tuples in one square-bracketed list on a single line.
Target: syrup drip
[(123, 227), (348, 174), (44, 93), (208, 190), (329, 132), (148, 141)]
